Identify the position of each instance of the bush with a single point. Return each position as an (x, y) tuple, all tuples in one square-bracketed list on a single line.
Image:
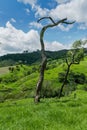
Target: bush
[(34, 69), (72, 81), (78, 78), (10, 78), (17, 68), (85, 87), (0, 79), (61, 77), (48, 90), (11, 69)]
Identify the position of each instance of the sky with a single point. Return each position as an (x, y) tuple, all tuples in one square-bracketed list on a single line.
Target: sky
[(20, 31)]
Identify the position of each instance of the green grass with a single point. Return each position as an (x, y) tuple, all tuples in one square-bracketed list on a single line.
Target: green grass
[(67, 113), (82, 67), (20, 84)]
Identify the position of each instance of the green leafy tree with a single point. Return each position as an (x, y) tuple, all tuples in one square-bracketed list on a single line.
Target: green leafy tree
[(74, 56)]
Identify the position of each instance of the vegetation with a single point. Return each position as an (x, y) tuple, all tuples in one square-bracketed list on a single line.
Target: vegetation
[(21, 81), (67, 113), (17, 90), (74, 56), (29, 58)]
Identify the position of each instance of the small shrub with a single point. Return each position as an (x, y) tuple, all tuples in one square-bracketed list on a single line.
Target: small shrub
[(17, 68), (48, 90), (47, 67), (10, 78), (34, 69), (0, 79), (53, 66), (78, 78), (61, 77), (85, 87), (11, 69)]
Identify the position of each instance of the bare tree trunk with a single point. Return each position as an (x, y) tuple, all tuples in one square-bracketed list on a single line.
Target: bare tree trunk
[(41, 78), (44, 58), (42, 69)]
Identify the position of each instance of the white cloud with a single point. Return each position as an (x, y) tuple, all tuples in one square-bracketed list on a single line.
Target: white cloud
[(73, 10), (38, 10), (55, 46), (14, 40), (61, 1), (41, 12), (36, 25), (83, 26), (27, 11), (13, 20), (63, 28), (31, 2)]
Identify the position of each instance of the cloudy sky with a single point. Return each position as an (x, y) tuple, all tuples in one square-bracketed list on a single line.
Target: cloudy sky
[(20, 31)]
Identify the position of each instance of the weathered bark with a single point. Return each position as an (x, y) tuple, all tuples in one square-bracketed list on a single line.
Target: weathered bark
[(44, 58), (42, 69), (41, 78)]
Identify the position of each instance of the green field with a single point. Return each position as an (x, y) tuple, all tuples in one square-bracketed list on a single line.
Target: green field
[(67, 113), (18, 110)]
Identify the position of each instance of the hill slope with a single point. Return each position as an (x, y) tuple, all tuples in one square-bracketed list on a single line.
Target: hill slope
[(18, 113), (21, 82)]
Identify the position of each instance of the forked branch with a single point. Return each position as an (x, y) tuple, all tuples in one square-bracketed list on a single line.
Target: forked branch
[(44, 58)]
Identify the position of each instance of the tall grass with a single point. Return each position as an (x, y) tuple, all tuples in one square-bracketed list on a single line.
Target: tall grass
[(67, 113)]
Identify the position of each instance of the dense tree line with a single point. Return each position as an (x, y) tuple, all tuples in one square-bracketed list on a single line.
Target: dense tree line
[(30, 58)]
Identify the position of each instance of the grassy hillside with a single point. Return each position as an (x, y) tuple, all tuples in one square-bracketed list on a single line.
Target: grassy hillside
[(17, 108), (67, 113), (21, 82)]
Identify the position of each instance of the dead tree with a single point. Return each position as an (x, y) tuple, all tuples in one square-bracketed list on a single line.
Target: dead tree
[(44, 58)]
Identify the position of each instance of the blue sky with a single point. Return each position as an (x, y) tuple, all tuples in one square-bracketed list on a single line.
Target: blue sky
[(19, 29)]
